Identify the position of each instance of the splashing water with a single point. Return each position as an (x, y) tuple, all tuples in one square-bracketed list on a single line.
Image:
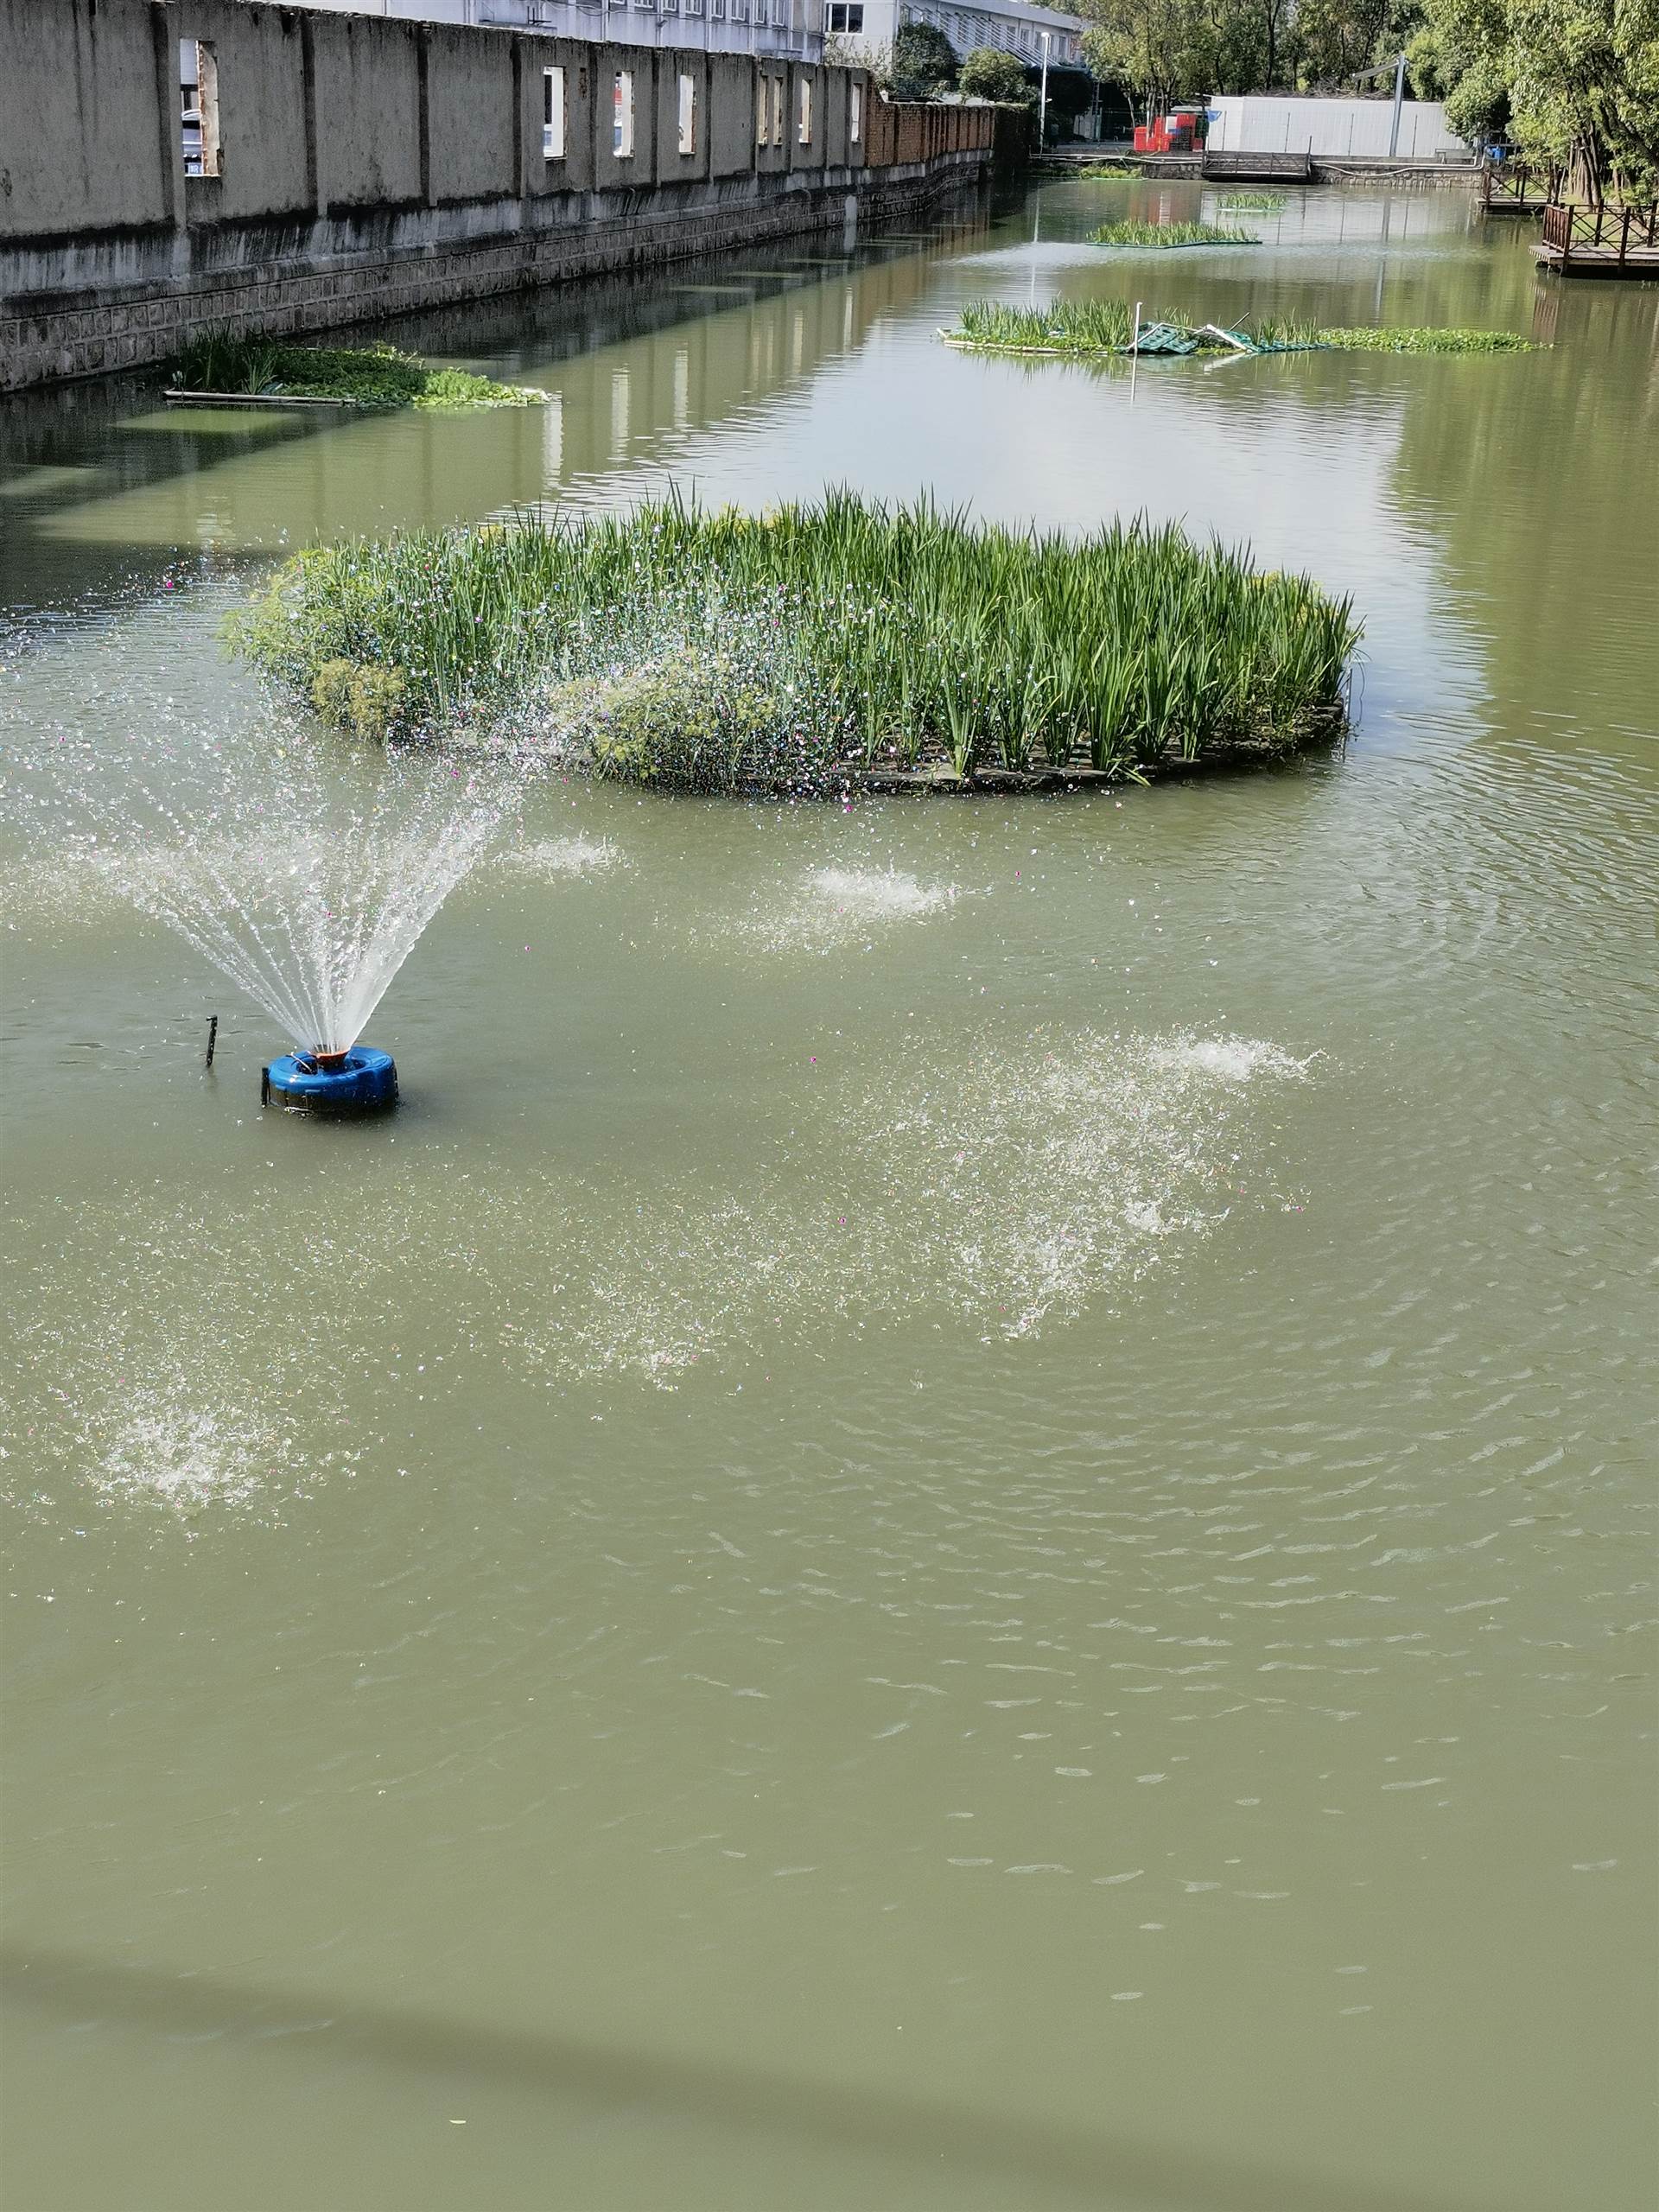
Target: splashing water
[(304, 866)]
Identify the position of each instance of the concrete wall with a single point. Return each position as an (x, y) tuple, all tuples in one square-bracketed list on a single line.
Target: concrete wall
[(368, 78), (1354, 129), (369, 165), (81, 138)]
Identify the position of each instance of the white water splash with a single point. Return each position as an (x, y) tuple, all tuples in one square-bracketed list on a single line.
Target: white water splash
[(879, 894), (549, 858), (303, 866)]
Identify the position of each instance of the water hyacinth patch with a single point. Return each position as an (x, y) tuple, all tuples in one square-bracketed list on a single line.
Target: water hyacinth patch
[(364, 376), (844, 637)]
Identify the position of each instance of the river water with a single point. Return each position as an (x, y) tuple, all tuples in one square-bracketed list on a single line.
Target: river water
[(961, 1514)]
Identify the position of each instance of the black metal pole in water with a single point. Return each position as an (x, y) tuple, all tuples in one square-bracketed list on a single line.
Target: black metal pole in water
[(213, 1038)]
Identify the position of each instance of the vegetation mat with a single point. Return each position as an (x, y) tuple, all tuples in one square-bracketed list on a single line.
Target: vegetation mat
[(799, 648), (365, 376), (1085, 329), (1163, 235)]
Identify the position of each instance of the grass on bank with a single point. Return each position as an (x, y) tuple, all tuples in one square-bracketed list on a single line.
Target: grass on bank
[(1105, 172), (1169, 234), (722, 650), (1082, 329), (366, 376)]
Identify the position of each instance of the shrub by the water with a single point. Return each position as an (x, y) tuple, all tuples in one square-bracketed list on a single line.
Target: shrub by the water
[(1169, 234), (789, 650), (367, 376), (1086, 328)]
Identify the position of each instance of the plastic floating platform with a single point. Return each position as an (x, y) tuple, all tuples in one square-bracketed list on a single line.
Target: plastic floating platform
[(361, 1081)]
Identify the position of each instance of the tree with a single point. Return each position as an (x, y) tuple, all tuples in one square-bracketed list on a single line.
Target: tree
[(924, 63), (987, 74), (1576, 81), (1159, 49)]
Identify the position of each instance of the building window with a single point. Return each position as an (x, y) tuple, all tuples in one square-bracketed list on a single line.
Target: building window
[(622, 115), (804, 120), (688, 113), (855, 112), (776, 111), (844, 15), (552, 115), (199, 107)]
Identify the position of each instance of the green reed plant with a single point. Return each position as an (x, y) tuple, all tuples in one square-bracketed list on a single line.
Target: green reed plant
[(1170, 234), (1265, 202), (1086, 328), (844, 635)]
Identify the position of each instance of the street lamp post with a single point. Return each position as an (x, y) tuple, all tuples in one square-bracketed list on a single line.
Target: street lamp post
[(1042, 97)]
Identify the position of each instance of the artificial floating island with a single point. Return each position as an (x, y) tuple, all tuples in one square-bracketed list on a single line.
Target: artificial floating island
[(218, 370), (815, 648), (1086, 329), (1162, 236)]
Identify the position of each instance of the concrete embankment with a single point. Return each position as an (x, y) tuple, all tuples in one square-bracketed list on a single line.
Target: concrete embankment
[(169, 165)]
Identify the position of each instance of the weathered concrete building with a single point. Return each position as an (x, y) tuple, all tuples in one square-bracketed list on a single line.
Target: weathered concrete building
[(341, 166)]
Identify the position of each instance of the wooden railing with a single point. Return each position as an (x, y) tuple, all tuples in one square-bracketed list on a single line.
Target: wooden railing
[(1604, 233), (1513, 188)]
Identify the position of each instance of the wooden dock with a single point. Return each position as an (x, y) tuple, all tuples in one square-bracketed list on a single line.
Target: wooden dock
[(1517, 188), (1605, 241)]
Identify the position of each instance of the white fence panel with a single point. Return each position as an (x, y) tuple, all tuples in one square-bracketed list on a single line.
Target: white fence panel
[(1355, 129)]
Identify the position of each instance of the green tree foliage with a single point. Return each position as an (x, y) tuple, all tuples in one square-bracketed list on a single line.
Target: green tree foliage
[(989, 75), (1575, 81), (924, 63)]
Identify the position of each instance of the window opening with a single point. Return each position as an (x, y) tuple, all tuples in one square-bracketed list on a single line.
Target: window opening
[(688, 112), (552, 115), (199, 107)]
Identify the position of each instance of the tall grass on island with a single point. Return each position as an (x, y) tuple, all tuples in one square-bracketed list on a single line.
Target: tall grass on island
[(814, 644), (1266, 203), (1169, 234), (362, 375), (1085, 329)]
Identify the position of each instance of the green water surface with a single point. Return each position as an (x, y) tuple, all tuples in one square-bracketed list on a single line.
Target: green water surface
[(961, 1515)]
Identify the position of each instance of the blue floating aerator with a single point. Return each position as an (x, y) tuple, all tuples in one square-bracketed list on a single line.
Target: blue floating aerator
[(361, 1081)]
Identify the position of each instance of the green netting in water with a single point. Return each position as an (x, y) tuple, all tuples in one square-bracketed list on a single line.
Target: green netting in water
[(1165, 338)]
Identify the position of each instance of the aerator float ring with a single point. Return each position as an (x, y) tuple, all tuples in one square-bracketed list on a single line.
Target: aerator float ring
[(360, 1081)]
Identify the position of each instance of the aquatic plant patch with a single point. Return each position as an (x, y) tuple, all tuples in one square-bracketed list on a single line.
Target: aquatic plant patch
[(1425, 341), (1164, 235), (795, 650), (1106, 172), (362, 376), (1085, 329), (1266, 203)]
